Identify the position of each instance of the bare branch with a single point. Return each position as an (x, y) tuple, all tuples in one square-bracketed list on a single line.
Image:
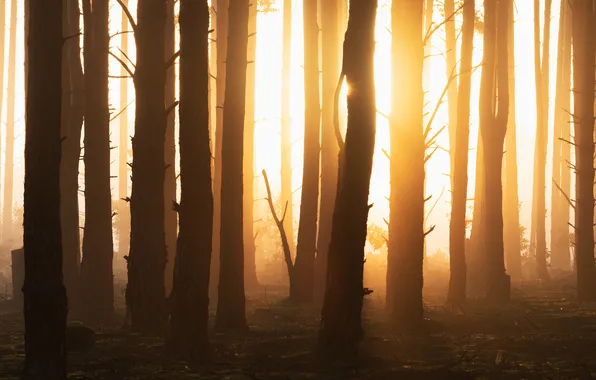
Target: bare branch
[(128, 70), (131, 19), (565, 195)]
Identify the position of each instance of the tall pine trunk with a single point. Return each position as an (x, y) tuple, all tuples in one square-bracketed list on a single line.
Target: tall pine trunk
[(286, 124), (341, 326), (451, 61), (171, 219), (190, 295), (510, 188), (231, 300), (560, 255), (329, 148), (475, 252), (145, 293), (45, 304), (97, 287), (493, 125), (250, 270), (541, 69), (583, 119), (123, 149), (309, 205), (457, 227), (406, 213)]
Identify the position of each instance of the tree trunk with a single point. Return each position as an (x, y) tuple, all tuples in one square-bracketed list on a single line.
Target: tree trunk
[(45, 304), (309, 204), (341, 326), (329, 149), (286, 123), (171, 219), (451, 58), (542, 91), (7, 230), (493, 127), (123, 149), (560, 257), (231, 301), (475, 255), (457, 228), (73, 110), (97, 287), (190, 295), (2, 49), (583, 119), (406, 213), (428, 20), (510, 190), (250, 270), (222, 48), (145, 293)]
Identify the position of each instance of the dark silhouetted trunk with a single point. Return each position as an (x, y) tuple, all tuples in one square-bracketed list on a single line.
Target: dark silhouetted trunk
[(7, 230), (286, 123), (190, 295), (406, 214), (510, 189), (329, 149), (493, 124), (341, 326), (583, 119), (73, 110), (560, 255), (457, 227), (230, 301), (45, 304), (221, 7), (171, 219), (123, 149), (542, 90), (145, 293), (309, 205), (475, 255), (250, 270), (97, 285)]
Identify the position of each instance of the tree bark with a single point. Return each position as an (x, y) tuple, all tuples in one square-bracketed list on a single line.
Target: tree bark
[(97, 287), (145, 293), (45, 304), (309, 204), (542, 91), (231, 301), (329, 149), (475, 255), (457, 227), (493, 127), (406, 211), (123, 148), (510, 190), (583, 119), (171, 218), (341, 326), (190, 295), (560, 255), (452, 97)]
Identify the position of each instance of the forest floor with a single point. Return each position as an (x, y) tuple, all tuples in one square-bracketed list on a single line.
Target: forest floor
[(544, 333)]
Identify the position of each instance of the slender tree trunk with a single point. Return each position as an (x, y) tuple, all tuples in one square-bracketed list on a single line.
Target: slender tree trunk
[(7, 230), (406, 213), (190, 295), (542, 91), (250, 270), (286, 123), (123, 172), (309, 205), (329, 149), (510, 194), (45, 304), (457, 228), (231, 301), (428, 20), (583, 119), (222, 48), (560, 257), (475, 256), (171, 218), (493, 128), (97, 286), (451, 55), (145, 293), (2, 49), (73, 110), (341, 326)]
